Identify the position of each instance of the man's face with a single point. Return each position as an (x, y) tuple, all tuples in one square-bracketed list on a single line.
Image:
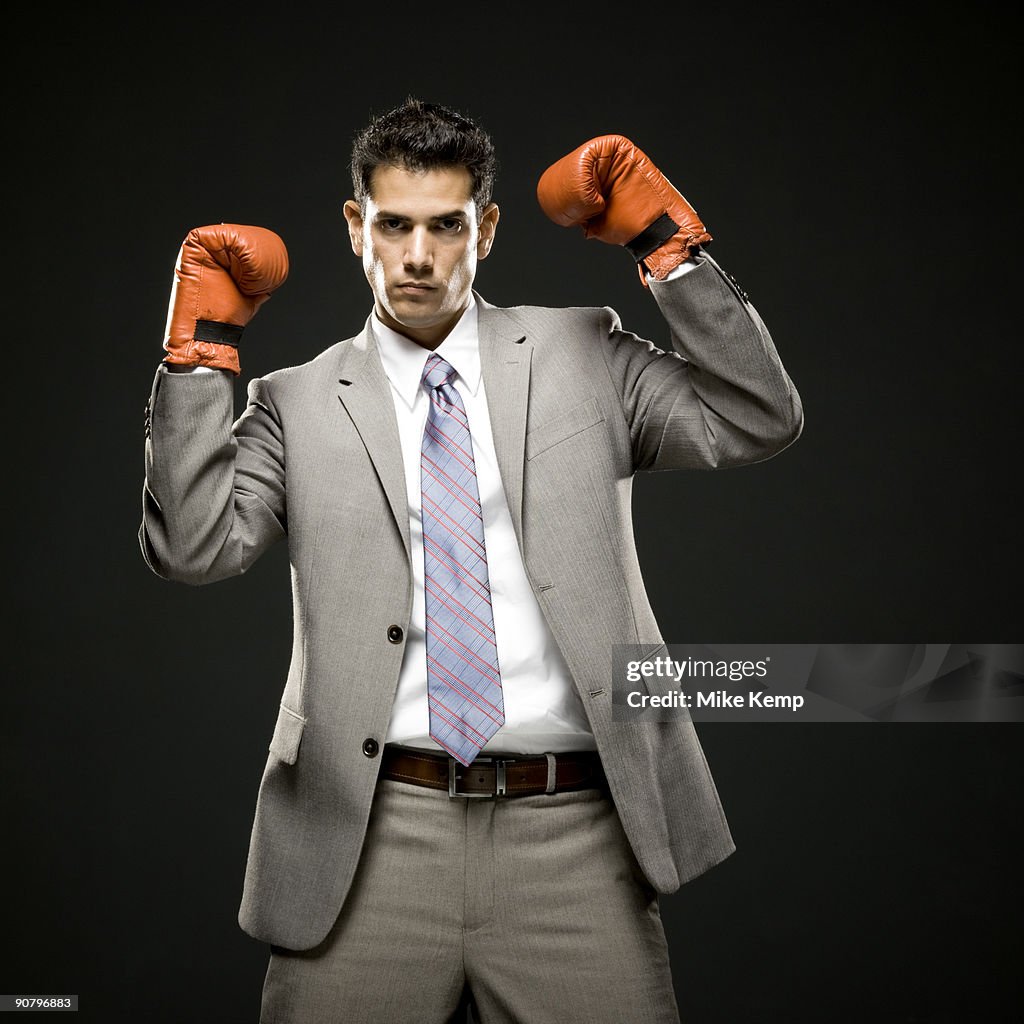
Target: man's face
[(420, 238)]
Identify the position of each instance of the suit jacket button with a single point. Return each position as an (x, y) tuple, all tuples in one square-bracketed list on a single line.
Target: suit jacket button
[(395, 634), (370, 747)]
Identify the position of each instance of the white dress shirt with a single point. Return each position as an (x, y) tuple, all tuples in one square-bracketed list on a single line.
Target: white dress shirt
[(542, 709)]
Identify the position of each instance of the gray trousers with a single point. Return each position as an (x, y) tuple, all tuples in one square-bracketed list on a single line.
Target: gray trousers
[(536, 903)]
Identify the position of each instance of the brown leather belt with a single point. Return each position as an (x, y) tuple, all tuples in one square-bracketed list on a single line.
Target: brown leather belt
[(523, 775)]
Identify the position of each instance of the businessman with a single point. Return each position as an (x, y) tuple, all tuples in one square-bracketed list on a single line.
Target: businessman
[(448, 805)]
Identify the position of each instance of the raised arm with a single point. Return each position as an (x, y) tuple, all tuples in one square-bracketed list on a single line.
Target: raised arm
[(214, 493), (721, 397)]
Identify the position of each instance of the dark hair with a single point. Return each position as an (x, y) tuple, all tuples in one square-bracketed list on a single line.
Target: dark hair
[(424, 137)]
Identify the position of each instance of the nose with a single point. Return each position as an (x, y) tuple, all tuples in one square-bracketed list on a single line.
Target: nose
[(419, 254)]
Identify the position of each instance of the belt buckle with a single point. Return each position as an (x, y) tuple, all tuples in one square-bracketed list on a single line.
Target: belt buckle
[(499, 778)]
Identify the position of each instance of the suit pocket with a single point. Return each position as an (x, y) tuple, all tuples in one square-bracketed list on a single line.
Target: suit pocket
[(656, 685), (562, 427), (287, 735)]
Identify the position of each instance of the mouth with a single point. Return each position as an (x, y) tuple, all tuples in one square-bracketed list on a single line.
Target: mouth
[(415, 287)]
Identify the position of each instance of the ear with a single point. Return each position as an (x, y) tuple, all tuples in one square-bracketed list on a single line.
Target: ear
[(487, 227), (354, 216)]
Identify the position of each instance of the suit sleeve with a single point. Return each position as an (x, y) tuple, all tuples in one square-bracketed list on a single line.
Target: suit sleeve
[(214, 494), (721, 397)]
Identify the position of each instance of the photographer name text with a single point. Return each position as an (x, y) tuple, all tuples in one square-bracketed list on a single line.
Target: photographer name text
[(691, 669)]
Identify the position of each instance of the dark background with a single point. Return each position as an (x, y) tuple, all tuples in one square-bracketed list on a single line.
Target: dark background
[(859, 171)]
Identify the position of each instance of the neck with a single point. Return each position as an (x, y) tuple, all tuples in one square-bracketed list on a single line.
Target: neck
[(426, 337)]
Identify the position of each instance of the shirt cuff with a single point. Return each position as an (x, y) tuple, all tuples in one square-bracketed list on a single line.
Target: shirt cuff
[(684, 268), (194, 369)]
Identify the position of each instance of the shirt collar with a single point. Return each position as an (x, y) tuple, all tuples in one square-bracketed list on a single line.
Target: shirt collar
[(404, 360)]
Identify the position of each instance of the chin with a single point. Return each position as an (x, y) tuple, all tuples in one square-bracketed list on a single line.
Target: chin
[(415, 314), (416, 320)]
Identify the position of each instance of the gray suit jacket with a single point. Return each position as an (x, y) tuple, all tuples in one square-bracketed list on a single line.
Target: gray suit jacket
[(578, 406)]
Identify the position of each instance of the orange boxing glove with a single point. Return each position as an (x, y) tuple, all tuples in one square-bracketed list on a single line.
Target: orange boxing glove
[(611, 189), (224, 273)]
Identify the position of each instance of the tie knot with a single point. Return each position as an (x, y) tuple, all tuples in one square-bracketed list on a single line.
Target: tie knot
[(437, 372)]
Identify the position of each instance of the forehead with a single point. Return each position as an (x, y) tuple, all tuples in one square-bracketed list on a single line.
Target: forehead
[(399, 189)]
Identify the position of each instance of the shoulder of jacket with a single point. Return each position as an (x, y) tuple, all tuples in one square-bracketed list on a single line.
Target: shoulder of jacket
[(312, 370), (593, 317)]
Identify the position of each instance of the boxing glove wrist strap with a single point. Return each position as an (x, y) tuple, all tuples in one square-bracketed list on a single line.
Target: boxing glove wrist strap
[(218, 333), (653, 237)]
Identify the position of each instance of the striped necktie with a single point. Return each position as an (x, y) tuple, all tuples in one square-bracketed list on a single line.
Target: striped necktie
[(463, 680)]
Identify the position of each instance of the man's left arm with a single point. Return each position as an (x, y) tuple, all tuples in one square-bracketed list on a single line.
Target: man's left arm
[(721, 397)]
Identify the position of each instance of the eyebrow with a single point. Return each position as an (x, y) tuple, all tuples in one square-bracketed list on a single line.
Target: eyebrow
[(453, 215)]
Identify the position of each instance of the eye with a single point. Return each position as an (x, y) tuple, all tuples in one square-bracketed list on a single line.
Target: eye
[(391, 224), (452, 225)]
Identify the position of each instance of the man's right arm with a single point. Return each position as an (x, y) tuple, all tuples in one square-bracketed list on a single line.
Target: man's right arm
[(214, 494)]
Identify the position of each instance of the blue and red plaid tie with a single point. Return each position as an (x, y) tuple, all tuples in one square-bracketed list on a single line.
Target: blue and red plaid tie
[(463, 679)]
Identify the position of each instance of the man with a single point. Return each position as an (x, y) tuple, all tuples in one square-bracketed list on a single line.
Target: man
[(448, 803)]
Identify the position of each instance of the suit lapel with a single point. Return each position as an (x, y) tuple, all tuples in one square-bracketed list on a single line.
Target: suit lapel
[(505, 355), (365, 392)]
